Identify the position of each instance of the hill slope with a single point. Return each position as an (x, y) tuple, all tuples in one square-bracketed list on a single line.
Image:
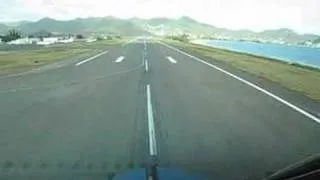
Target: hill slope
[(87, 25), (165, 26), (3, 29), (184, 24)]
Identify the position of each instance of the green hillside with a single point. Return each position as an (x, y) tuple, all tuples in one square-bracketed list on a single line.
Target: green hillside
[(87, 25)]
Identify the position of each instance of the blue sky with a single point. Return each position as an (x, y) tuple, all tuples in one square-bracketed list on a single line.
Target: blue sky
[(300, 15)]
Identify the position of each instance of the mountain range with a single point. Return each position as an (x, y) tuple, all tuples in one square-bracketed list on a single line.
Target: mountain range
[(156, 26), (79, 25)]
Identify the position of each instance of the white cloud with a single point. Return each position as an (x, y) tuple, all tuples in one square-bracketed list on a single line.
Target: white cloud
[(300, 15)]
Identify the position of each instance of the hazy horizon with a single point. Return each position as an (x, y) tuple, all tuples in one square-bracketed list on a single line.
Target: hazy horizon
[(298, 15)]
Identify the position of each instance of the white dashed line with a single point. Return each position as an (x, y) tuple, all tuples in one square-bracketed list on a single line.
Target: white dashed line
[(146, 65), (119, 59), (91, 58), (173, 61), (152, 134)]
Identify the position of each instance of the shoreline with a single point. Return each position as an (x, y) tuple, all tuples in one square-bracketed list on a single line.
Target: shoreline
[(272, 58)]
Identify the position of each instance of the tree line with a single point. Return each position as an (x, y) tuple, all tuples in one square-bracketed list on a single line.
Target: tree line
[(11, 36)]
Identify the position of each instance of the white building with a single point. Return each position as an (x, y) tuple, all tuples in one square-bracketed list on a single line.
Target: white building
[(69, 40), (24, 41), (20, 41), (44, 41), (48, 41), (317, 45)]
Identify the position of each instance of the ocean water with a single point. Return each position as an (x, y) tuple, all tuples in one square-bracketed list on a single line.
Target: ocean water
[(302, 55)]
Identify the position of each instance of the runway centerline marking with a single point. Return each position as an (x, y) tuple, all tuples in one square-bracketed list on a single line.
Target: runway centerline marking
[(151, 128), (146, 65)]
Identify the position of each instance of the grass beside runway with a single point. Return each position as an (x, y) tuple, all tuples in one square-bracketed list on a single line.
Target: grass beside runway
[(296, 77), (31, 58)]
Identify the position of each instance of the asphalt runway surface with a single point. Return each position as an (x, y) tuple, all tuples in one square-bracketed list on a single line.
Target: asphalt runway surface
[(92, 117)]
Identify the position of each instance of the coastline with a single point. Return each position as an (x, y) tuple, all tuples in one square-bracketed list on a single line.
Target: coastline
[(272, 58)]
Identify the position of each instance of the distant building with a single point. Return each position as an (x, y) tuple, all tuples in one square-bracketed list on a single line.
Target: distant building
[(20, 41), (308, 43), (68, 40), (42, 41), (34, 40), (48, 41), (24, 41)]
